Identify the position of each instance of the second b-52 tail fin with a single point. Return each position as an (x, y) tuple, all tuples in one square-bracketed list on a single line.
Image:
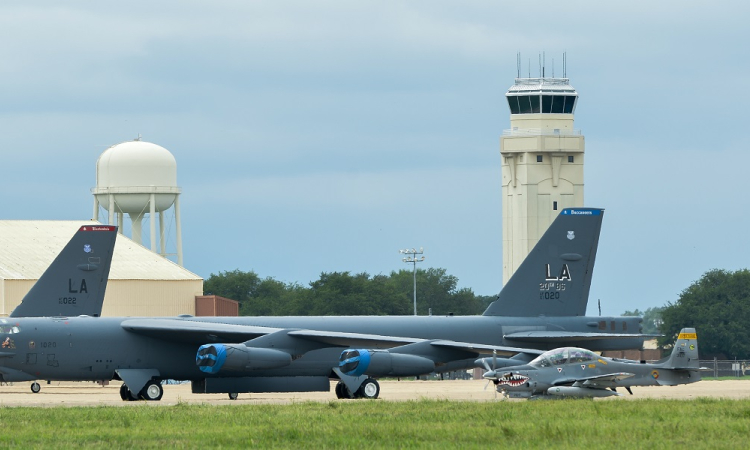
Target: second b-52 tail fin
[(75, 282), (555, 278)]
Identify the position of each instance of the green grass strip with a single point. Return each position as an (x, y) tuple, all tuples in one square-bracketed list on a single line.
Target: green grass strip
[(579, 424)]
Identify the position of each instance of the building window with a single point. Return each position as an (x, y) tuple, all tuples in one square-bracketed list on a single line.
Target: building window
[(554, 206), (571, 158), (539, 158)]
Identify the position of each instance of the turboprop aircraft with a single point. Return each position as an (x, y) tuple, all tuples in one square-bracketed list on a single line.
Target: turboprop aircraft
[(575, 372), (541, 307)]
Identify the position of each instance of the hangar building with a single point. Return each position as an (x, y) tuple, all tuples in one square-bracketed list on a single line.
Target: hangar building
[(141, 283)]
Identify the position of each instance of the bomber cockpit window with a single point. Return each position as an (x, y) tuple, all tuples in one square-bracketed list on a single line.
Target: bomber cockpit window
[(9, 329)]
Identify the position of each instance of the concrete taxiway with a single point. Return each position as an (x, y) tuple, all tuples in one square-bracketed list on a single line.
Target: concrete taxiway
[(91, 394)]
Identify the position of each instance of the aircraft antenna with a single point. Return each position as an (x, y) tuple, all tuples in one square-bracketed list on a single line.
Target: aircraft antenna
[(518, 64)]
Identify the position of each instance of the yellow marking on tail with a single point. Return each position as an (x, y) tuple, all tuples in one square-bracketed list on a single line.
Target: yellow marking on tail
[(687, 336)]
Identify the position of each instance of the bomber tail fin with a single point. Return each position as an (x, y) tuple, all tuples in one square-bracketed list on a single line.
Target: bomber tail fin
[(75, 282), (555, 278), (685, 352)]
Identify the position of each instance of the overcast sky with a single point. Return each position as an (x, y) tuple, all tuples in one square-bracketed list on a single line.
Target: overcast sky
[(325, 136)]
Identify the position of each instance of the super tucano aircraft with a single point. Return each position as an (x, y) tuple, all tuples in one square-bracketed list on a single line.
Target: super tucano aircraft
[(580, 373), (53, 334)]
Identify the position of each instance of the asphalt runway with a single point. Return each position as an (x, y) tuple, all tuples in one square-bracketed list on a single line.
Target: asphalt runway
[(91, 394)]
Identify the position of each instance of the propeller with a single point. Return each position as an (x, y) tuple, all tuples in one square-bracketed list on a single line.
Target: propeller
[(491, 374)]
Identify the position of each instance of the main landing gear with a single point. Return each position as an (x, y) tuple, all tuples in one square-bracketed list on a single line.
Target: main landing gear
[(369, 388), (35, 387), (152, 391)]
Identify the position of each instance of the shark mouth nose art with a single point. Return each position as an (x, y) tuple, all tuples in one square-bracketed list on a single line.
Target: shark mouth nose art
[(512, 380)]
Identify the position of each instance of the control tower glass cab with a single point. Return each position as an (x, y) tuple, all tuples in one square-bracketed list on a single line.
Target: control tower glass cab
[(544, 104)]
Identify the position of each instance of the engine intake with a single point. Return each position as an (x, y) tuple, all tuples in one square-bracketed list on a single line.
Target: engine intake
[(212, 358), (378, 363)]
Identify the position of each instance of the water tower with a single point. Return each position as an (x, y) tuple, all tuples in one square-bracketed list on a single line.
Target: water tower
[(139, 178)]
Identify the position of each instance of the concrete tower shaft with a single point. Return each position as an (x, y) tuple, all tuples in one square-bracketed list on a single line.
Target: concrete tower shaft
[(542, 160)]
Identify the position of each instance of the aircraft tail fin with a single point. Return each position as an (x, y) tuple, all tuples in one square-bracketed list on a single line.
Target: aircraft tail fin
[(555, 278), (685, 352), (75, 282)]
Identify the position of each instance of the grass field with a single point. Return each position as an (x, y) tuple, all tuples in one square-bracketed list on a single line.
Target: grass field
[(580, 424)]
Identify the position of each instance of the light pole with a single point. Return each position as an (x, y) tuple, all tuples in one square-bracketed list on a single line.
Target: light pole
[(412, 258)]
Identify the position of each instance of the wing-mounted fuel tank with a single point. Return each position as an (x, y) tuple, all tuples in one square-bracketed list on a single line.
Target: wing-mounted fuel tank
[(378, 363), (213, 358)]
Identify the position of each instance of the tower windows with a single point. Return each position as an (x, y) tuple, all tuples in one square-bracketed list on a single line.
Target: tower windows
[(571, 158), (539, 158), (545, 104)]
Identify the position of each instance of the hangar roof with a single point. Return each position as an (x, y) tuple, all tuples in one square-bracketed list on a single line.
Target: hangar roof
[(28, 247)]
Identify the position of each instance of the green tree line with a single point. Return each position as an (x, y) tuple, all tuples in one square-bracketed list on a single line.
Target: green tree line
[(343, 293)]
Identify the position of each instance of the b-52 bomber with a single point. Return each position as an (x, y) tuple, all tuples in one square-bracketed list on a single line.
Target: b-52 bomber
[(53, 335), (576, 372)]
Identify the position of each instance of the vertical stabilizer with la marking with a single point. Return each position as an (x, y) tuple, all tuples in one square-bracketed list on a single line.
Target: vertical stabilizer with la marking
[(555, 278), (75, 283)]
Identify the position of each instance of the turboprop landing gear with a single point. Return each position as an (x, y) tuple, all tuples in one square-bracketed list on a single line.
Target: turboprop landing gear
[(35, 387), (233, 395)]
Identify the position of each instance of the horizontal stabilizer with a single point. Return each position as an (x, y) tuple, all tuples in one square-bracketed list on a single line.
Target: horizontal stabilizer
[(562, 337)]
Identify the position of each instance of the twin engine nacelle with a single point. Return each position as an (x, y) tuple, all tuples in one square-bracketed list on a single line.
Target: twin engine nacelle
[(212, 358), (380, 363)]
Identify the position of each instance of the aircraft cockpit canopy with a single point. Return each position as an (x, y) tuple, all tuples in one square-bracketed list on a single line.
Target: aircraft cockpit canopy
[(565, 355)]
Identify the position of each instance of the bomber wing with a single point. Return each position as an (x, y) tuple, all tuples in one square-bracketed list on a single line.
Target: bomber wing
[(199, 333), (195, 332)]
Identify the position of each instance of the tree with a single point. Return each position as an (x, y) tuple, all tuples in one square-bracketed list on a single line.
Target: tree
[(341, 293), (651, 318), (718, 307)]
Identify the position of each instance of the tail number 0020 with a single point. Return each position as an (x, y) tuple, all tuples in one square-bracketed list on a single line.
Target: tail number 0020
[(549, 295)]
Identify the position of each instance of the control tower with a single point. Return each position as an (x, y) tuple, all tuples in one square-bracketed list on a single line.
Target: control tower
[(542, 157)]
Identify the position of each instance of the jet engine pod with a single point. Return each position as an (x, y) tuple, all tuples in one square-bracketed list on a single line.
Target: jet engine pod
[(380, 363), (212, 358)]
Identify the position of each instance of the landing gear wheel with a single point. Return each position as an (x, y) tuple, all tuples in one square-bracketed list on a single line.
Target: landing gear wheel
[(152, 391), (35, 388), (125, 394), (369, 389), (340, 389), (233, 395)]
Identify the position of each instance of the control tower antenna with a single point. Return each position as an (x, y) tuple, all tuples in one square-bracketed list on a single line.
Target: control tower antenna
[(565, 64), (518, 64)]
